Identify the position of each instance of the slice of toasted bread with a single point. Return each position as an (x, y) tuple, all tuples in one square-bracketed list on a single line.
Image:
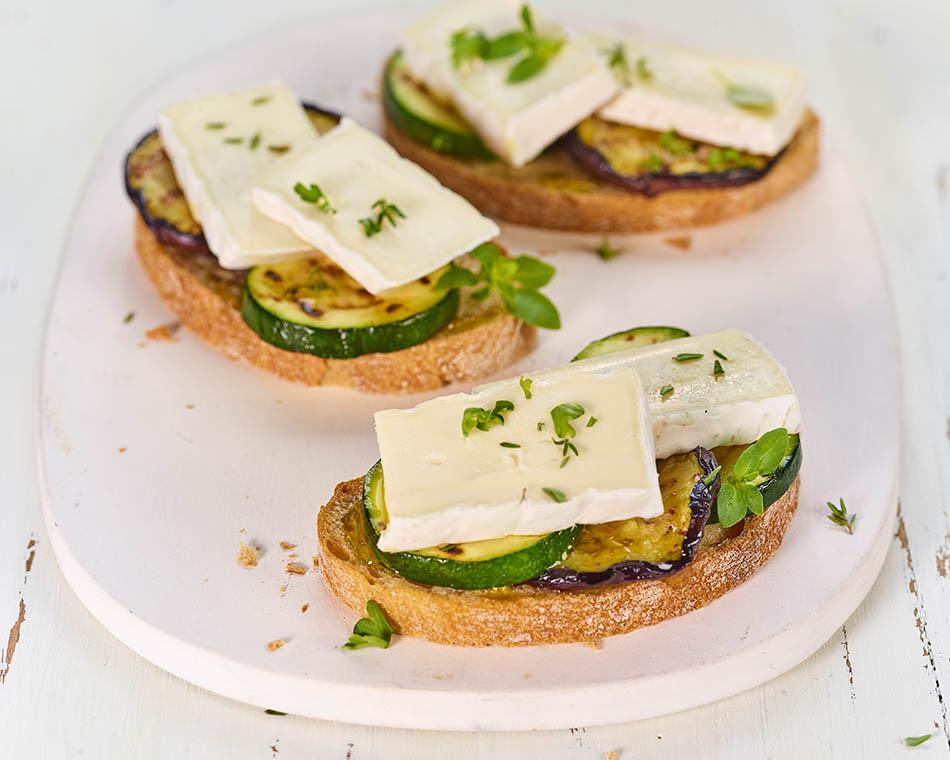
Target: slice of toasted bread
[(483, 338), (524, 615), (553, 192)]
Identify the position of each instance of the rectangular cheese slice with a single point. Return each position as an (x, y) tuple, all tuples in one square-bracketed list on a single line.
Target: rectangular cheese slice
[(689, 92), (444, 487), (516, 121), (751, 398), (355, 168), (218, 145)]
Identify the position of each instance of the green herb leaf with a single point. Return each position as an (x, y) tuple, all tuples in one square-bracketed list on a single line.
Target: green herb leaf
[(279, 149), (718, 371), (457, 277), (736, 500), (476, 418), (516, 280), (505, 46), (128, 317), (607, 251), (562, 415), (652, 163), (555, 495), (720, 355), (532, 273), (233, 140), (525, 384), (215, 125), (371, 631), (540, 426), (916, 741), (385, 212), (592, 421), (674, 144), (534, 308), (526, 18), (762, 457), (687, 357), (643, 69), (839, 515), (313, 194), (254, 141), (510, 445), (526, 68), (261, 100), (269, 711), (467, 44), (750, 98), (708, 480), (665, 391)]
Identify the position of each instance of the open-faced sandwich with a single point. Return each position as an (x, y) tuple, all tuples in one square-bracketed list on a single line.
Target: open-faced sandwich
[(305, 245), (596, 133), (642, 481)]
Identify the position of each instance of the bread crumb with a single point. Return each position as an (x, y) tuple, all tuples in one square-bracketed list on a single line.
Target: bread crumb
[(305, 608), (164, 332), (122, 449), (595, 644), (189, 406), (684, 243), (316, 560), (273, 646), (247, 557), (287, 546), (293, 555), (614, 754), (283, 589), (295, 568)]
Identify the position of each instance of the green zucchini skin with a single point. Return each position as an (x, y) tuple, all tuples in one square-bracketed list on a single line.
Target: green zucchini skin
[(635, 337), (405, 103), (348, 342), (502, 570), (772, 488)]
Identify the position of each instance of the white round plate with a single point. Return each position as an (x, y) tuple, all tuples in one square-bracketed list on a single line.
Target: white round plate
[(159, 459)]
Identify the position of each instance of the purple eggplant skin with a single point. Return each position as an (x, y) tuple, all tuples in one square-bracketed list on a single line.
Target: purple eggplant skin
[(165, 230), (702, 498), (651, 184)]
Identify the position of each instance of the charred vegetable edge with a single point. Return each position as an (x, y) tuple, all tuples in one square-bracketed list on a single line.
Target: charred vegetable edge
[(164, 230)]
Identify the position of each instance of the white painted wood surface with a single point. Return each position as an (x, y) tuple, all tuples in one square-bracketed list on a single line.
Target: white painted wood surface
[(880, 76)]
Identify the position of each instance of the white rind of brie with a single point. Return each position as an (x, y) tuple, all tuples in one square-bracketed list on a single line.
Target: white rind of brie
[(753, 397), (516, 121), (216, 176), (687, 92), (354, 168), (441, 487)]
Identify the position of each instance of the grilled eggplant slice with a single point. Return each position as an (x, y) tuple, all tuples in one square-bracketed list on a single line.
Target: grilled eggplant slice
[(649, 162), (151, 184), (638, 549)]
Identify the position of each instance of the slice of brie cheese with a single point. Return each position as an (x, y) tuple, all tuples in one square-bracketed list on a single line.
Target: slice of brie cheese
[(752, 397), (699, 95), (218, 145), (354, 168), (444, 487), (518, 120)]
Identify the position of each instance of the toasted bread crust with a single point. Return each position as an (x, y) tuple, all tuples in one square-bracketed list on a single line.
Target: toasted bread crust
[(552, 192), (523, 615), (206, 299)]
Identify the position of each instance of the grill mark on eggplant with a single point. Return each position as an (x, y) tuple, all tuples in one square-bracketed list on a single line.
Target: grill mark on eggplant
[(651, 184), (701, 499)]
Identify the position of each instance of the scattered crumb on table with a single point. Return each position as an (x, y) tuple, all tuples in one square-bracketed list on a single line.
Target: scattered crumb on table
[(122, 449), (595, 644), (247, 557), (296, 568), (273, 646), (164, 332), (684, 243), (316, 560), (305, 608), (287, 546)]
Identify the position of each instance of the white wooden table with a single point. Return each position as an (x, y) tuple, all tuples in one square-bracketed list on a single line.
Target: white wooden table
[(879, 74)]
